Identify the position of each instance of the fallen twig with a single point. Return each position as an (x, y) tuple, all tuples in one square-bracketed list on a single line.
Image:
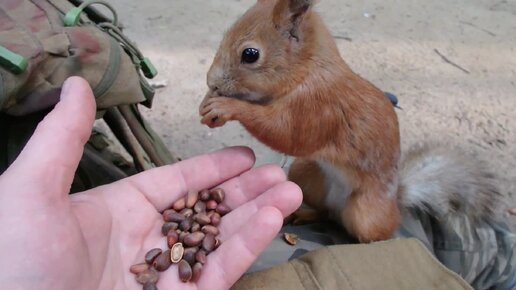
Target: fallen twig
[(445, 59), (479, 28), (343, 37)]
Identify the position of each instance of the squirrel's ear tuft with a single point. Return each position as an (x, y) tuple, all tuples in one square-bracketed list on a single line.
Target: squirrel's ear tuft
[(288, 15)]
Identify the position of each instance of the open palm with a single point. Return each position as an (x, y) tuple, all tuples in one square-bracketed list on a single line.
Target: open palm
[(50, 240)]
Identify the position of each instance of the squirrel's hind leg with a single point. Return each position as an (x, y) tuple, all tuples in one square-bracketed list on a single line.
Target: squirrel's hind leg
[(309, 177), (371, 213)]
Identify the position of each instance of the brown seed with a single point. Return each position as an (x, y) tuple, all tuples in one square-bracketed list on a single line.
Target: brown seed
[(208, 243), (195, 227), (182, 236), (200, 256), (217, 195), (211, 204), (204, 195), (196, 271), (217, 243), (223, 209), (162, 262), (191, 198), (186, 224), (150, 286), (199, 206), (151, 255), (210, 230), (147, 276), (202, 219), (185, 271), (512, 211), (168, 226), (187, 212), (179, 204), (172, 238), (194, 239), (189, 255), (176, 253), (171, 215), (215, 219), (138, 268), (290, 238)]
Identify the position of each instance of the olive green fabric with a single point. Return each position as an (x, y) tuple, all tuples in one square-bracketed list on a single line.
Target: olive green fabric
[(402, 264), (94, 49), (35, 30)]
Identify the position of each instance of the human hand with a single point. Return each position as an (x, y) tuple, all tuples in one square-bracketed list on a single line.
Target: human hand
[(52, 240)]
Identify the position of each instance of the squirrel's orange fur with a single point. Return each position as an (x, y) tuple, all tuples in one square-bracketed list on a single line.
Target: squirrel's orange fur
[(302, 99)]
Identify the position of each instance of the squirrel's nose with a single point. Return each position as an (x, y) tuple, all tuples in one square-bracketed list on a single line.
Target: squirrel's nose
[(214, 90), (212, 85), (215, 76)]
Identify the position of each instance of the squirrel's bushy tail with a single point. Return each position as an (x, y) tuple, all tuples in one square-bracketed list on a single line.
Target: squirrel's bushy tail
[(444, 181)]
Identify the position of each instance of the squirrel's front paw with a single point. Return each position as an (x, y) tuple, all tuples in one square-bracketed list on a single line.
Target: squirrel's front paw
[(216, 111)]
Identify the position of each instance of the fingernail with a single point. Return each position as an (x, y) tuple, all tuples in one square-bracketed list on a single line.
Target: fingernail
[(67, 88)]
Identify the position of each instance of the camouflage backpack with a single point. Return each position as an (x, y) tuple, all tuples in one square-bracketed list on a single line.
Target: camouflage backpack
[(43, 42)]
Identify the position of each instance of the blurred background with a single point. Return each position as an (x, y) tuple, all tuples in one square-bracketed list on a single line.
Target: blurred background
[(452, 64)]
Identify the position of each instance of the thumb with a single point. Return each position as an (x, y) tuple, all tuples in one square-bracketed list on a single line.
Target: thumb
[(50, 158)]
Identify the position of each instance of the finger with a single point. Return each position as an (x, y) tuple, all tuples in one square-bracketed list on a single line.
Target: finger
[(51, 156), (162, 186), (251, 184), (286, 197), (236, 254), (238, 190)]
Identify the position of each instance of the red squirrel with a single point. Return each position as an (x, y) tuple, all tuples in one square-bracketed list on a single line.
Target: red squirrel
[(279, 73)]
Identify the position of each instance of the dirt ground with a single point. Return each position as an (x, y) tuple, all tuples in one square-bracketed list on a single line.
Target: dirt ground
[(452, 63)]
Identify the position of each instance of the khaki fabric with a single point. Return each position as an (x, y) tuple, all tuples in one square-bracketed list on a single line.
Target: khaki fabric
[(395, 264)]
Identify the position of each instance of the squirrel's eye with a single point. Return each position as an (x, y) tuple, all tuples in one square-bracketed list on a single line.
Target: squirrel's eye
[(250, 55)]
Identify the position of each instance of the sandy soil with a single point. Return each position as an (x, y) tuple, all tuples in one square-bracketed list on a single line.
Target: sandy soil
[(401, 46)]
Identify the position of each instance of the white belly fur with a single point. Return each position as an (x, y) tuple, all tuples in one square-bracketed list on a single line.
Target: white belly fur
[(338, 189)]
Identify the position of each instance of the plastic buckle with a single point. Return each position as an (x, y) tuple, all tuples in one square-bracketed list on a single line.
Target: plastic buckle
[(13, 62), (148, 69), (72, 17)]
